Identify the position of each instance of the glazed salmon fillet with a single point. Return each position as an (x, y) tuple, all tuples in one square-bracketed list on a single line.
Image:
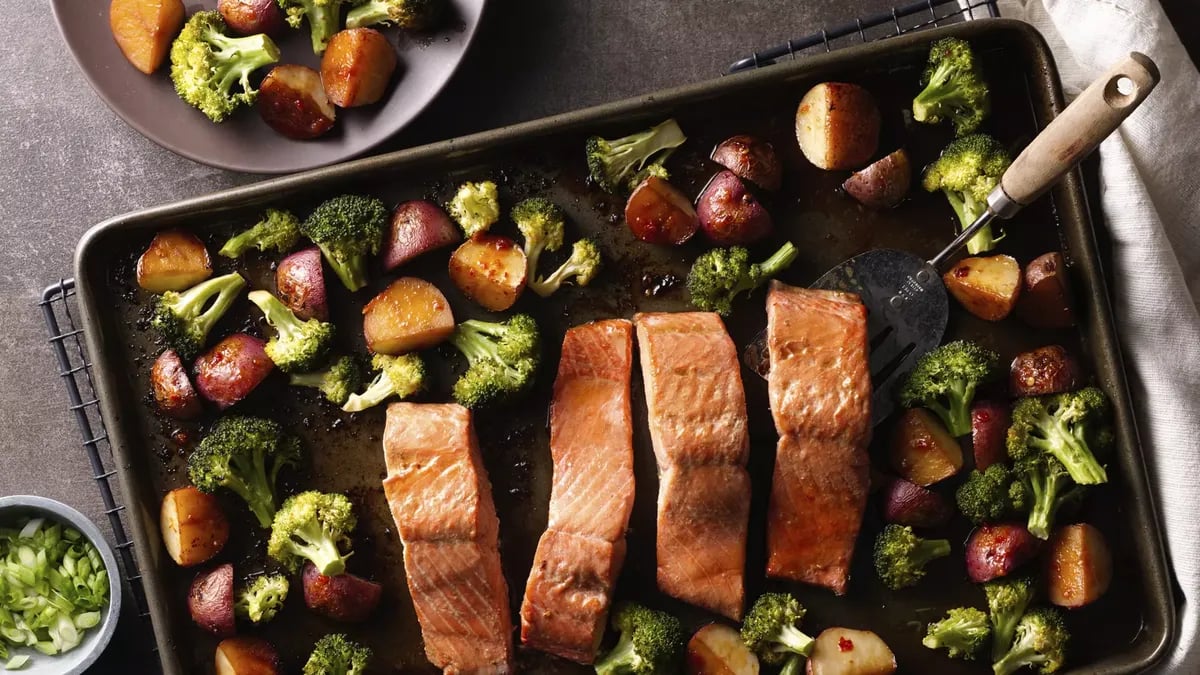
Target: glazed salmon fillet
[(820, 392), (579, 557), (441, 499), (697, 416)]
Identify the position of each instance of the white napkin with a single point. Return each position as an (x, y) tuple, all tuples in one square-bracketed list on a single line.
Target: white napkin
[(1150, 192)]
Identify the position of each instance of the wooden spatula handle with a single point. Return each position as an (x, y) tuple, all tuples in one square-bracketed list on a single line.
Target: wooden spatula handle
[(1098, 111)]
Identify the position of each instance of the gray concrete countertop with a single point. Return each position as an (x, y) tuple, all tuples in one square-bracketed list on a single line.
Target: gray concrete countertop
[(69, 162)]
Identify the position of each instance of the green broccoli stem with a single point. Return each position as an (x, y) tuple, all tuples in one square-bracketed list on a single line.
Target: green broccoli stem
[(323, 23), (378, 391), (956, 415), (239, 243), (1020, 655), (1047, 497), (939, 90), (277, 315), (929, 549), (352, 270), (794, 666), (469, 338), (368, 14), (779, 261), (250, 482), (191, 303), (547, 285), (1075, 455), (620, 659), (968, 210), (795, 640), (316, 379), (320, 549), (240, 56)]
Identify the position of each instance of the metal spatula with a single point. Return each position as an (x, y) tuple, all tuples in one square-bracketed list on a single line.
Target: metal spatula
[(906, 301)]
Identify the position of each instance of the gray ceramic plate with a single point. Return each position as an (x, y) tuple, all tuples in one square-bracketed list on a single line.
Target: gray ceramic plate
[(244, 142)]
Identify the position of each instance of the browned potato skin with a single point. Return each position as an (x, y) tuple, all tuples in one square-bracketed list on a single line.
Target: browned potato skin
[(210, 600), (989, 430), (418, 227), (250, 17), (658, 213), (717, 649), (490, 270), (292, 101), (193, 526), (883, 184), (1078, 566), (357, 66), (174, 261), (1045, 370), (173, 391), (837, 126), (229, 371), (144, 30), (922, 450), (729, 214), (906, 503), (408, 315), (246, 656), (300, 280), (994, 550), (1046, 294), (845, 651), (750, 158), (986, 287), (345, 597)]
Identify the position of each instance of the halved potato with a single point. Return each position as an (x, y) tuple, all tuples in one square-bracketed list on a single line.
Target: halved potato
[(292, 101), (174, 261), (1078, 566), (922, 451), (210, 600), (408, 315), (1046, 296), (717, 649), (356, 67), (986, 287), (144, 30), (246, 656), (837, 126), (490, 270), (194, 527), (845, 651), (883, 184)]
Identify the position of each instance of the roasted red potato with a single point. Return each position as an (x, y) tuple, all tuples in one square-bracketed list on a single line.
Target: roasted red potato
[(345, 597), (417, 227), (408, 315), (193, 526), (357, 67), (729, 214), (174, 261), (489, 269), (250, 17), (989, 430), (246, 656), (1046, 293), (229, 371), (986, 287), (1078, 566), (750, 158), (883, 184), (906, 503), (922, 451), (1045, 370), (994, 550), (837, 126), (845, 651), (658, 213), (144, 30), (210, 600), (292, 101), (300, 280), (173, 391), (717, 649)]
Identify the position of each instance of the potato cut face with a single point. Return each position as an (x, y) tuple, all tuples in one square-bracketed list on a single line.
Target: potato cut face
[(837, 126), (408, 315), (174, 261), (144, 30), (987, 287), (490, 270), (845, 651), (357, 67), (922, 451), (194, 528)]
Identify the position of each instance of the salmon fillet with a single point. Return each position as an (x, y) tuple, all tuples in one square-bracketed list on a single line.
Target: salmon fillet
[(579, 557), (820, 392), (441, 499), (697, 416)]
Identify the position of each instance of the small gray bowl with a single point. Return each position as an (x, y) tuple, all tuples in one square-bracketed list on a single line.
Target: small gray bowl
[(95, 639)]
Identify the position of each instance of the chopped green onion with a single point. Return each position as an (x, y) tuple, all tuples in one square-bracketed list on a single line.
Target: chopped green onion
[(17, 662)]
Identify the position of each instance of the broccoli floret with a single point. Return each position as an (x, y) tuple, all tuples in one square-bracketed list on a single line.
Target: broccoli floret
[(656, 168), (954, 88), (991, 494), (298, 345), (581, 268), (336, 383), (348, 229), (245, 455), (1007, 599), (278, 230), (184, 319), (944, 381), (651, 642), (407, 14), (1041, 642), (324, 18), (611, 163), (901, 556), (1049, 487), (720, 275), (966, 172), (963, 633), (309, 526), (475, 207), (206, 63), (400, 376), (541, 223), (503, 358), (336, 654), (1070, 427), (771, 629), (260, 601)]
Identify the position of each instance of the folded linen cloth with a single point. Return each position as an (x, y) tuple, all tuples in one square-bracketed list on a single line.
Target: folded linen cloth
[(1150, 193)]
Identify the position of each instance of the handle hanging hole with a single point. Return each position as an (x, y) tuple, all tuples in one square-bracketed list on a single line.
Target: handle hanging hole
[(1120, 91)]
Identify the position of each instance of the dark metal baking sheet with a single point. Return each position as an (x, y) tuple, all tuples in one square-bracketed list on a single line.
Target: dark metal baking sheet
[(1126, 631)]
